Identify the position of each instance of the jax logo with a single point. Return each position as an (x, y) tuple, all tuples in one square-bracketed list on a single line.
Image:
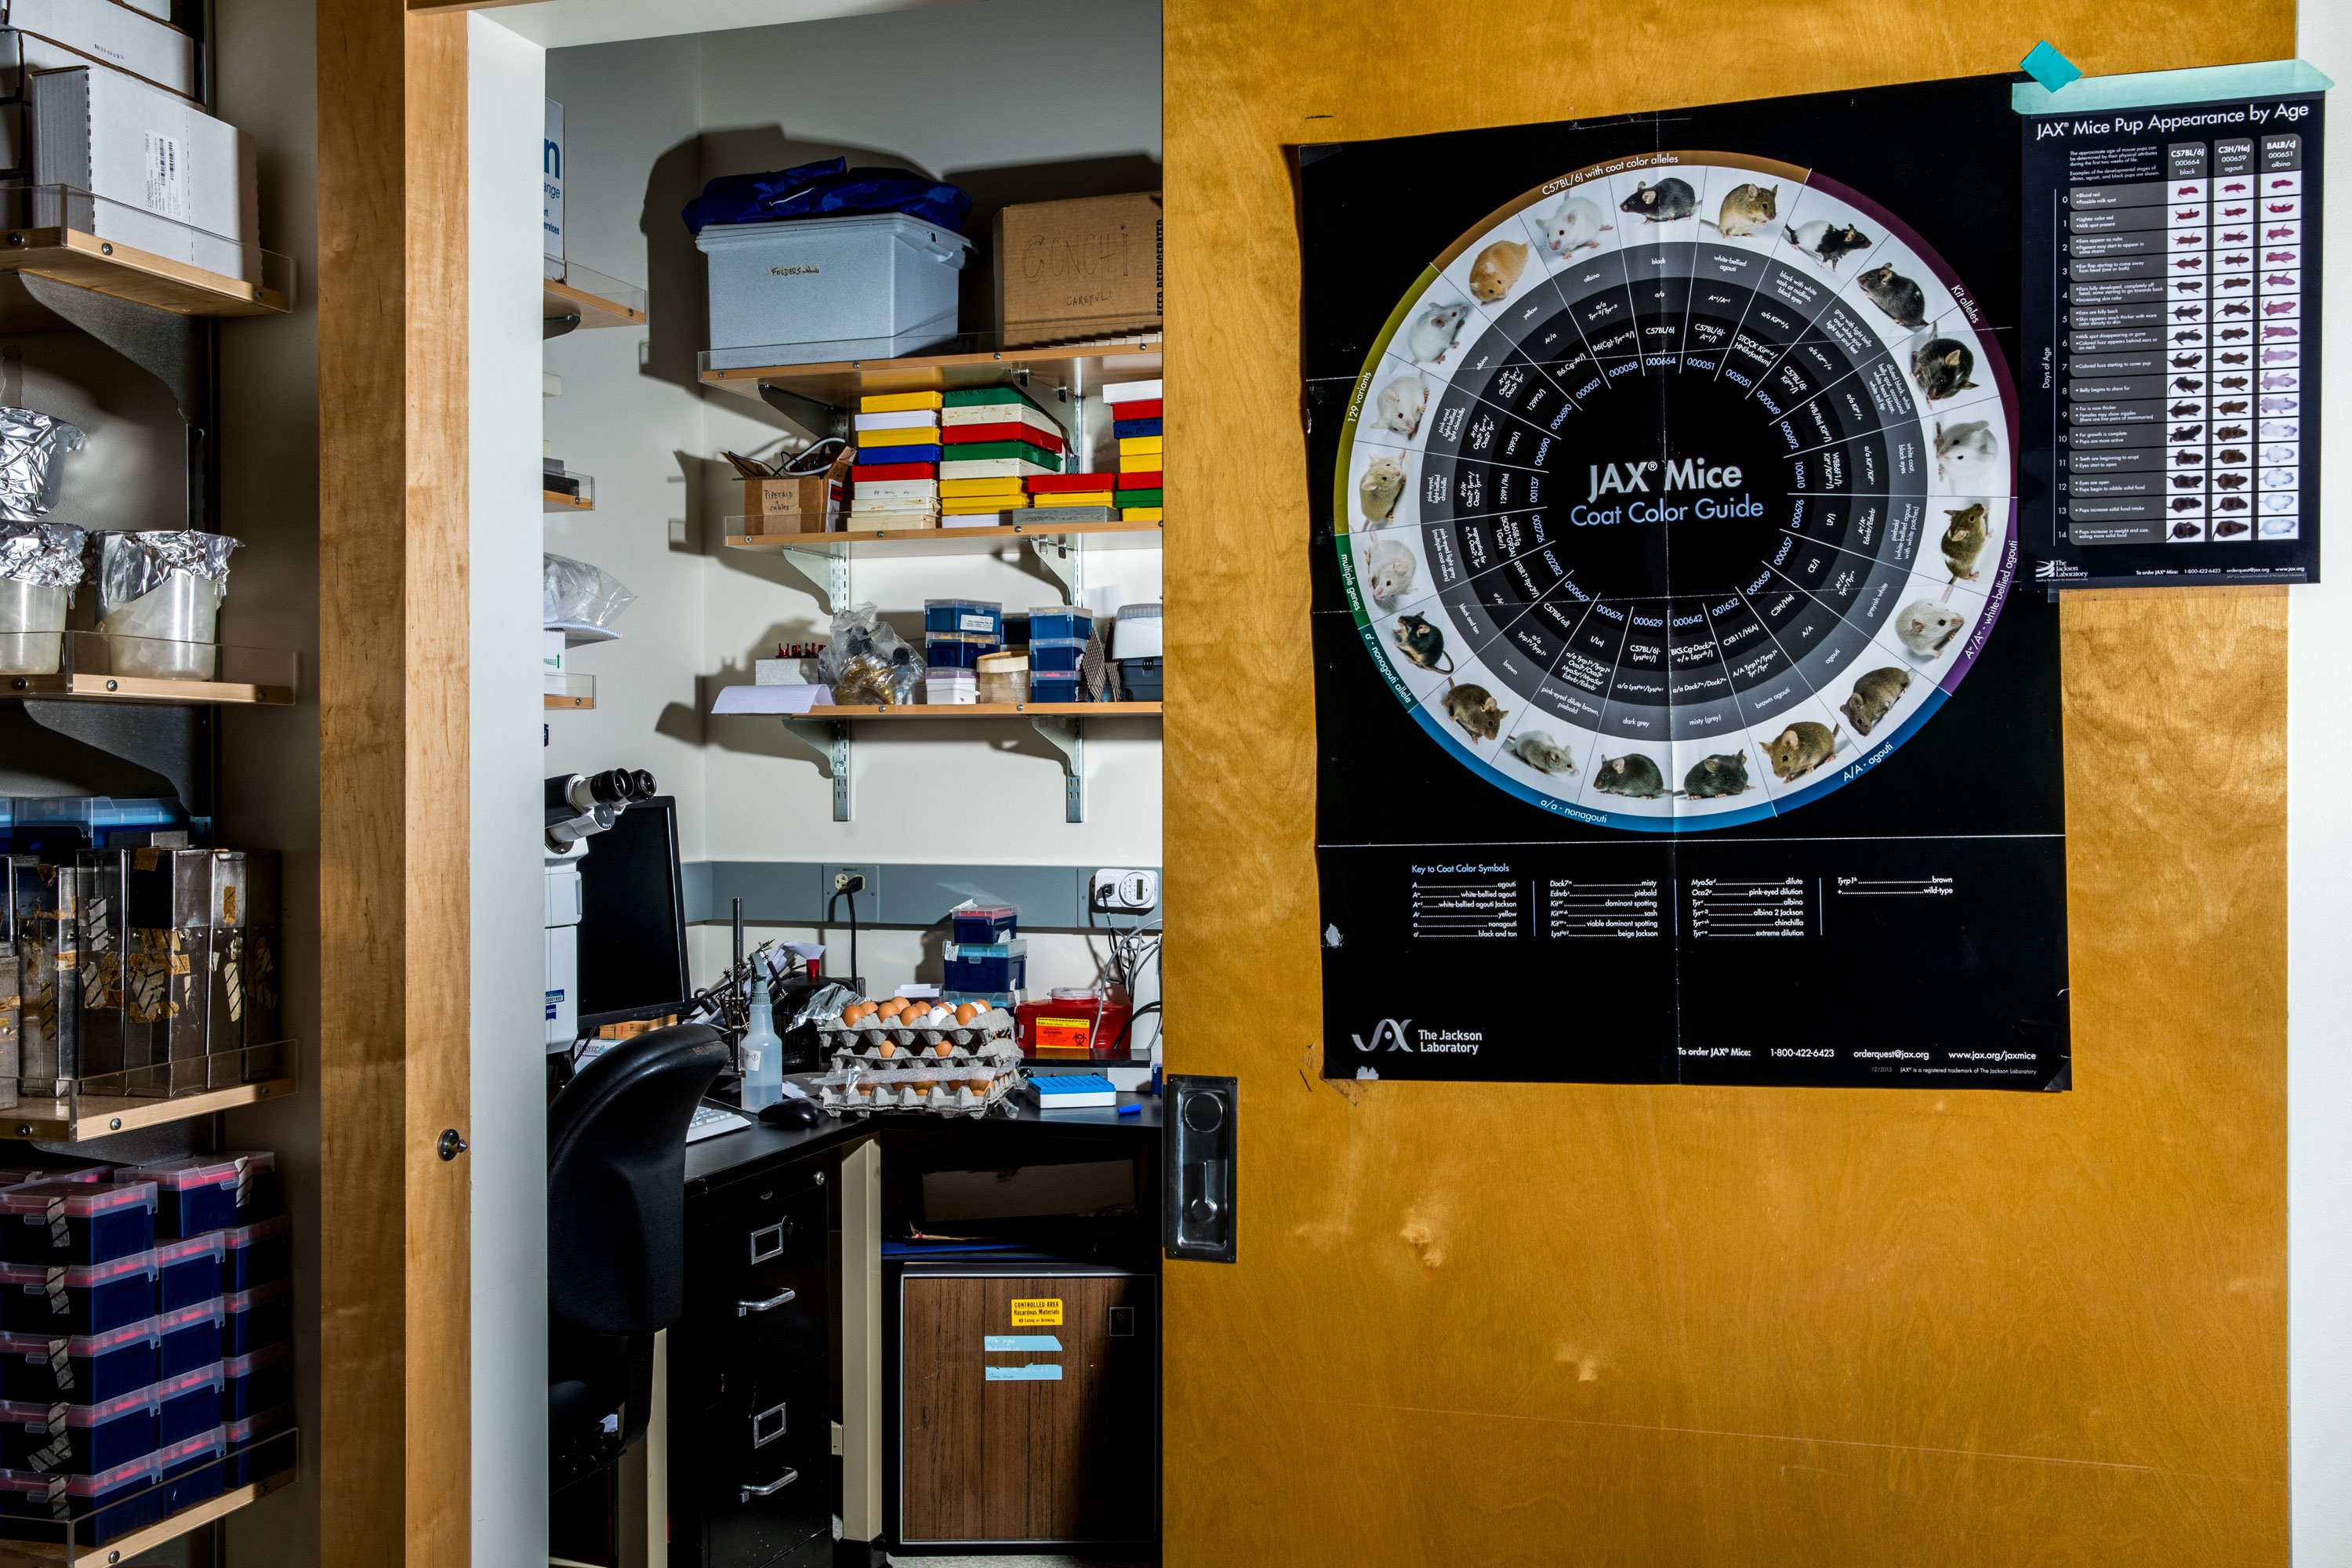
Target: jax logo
[(1389, 1029), (2057, 571)]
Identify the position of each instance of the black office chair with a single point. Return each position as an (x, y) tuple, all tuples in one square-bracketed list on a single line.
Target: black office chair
[(615, 1236)]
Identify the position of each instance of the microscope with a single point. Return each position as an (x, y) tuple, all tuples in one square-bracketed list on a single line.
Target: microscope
[(579, 807)]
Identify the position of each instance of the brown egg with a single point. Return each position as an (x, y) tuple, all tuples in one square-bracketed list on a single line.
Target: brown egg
[(943, 1049), (851, 1014), (886, 1049), (893, 1007), (966, 1012)]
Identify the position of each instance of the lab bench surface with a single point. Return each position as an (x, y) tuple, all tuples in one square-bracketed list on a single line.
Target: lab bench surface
[(731, 1156)]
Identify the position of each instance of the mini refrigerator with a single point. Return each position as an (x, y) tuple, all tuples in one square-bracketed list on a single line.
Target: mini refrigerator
[(1028, 1404)]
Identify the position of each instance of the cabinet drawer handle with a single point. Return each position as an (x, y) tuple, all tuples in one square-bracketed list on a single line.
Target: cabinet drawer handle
[(778, 1484), (745, 1308)]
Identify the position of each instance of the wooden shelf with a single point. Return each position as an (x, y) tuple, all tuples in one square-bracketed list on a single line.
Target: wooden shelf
[(101, 1116), (993, 710), (952, 540), (556, 501), (558, 299), (124, 1548), (80, 688), (1082, 369), (554, 701), (103, 266)]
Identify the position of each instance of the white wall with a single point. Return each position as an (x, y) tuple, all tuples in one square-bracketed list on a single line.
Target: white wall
[(646, 124), (508, 1163), (2319, 911)]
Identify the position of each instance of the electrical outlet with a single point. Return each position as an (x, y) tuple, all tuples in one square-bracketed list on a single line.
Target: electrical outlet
[(1115, 890), (837, 891)]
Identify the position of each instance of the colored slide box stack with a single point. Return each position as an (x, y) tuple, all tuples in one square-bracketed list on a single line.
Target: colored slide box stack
[(1058, 634), (996, 440), (896, 480), (956, 633), (144, 1327), (1135, 413)]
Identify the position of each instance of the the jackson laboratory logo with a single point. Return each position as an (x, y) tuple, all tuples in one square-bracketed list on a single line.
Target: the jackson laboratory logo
[(1391, 1029)]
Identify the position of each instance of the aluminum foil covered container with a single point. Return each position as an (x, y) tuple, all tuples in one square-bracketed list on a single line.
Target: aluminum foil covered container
[(29, 444), (132, 565), (46, 554)]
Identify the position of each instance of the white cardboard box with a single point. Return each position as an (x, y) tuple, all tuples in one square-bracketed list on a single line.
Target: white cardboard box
[(170, 179), (110, 34)]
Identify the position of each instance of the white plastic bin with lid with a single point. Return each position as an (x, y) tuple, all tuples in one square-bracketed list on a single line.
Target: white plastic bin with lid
[(810, 290)]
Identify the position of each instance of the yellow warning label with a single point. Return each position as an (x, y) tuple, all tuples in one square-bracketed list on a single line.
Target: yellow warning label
[(1044, 1314)]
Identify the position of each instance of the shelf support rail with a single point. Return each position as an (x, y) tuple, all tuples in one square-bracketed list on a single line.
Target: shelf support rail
[(830, 739), (1067, 736)]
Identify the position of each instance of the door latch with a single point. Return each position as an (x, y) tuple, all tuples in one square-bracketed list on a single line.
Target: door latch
[(1198, 1209)]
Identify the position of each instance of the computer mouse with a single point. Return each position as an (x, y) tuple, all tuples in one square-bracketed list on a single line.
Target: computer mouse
[(792, 1113)]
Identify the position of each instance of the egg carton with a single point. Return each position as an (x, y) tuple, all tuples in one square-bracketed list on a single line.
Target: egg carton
[(940, 1089), (870, 1037), (996, 1051)]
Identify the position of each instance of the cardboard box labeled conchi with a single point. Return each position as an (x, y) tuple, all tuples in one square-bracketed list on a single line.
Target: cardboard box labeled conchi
[(1066, 271)]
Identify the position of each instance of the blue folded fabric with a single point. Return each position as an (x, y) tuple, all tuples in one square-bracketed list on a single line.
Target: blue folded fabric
[(1127, 427), (827, 188)]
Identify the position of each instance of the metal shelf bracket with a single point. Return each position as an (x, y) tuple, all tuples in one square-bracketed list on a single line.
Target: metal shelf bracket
[(1067, 736), (816, 418), (1061, 555), (830, 738), (827, 567)]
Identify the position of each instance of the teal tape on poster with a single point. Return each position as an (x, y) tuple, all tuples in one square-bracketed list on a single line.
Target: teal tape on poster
[(1022, 1342), (2267, 79), (1036, 1372)]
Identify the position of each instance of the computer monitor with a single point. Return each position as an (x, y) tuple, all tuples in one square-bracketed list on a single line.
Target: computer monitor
[(632, 960)]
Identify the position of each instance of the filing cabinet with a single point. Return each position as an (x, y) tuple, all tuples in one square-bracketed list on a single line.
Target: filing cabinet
[(751, 1378)]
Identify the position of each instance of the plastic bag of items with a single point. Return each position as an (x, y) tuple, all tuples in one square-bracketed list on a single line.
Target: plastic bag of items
[(869, 663), (29, 445), (827, 188), (41, 567), (159, 598), (574, 591)]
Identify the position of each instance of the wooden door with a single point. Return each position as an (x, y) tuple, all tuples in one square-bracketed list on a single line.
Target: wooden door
[(393, 1445), (1666, 1325)]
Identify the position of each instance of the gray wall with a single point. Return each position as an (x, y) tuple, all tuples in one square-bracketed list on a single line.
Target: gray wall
[(270, 768)]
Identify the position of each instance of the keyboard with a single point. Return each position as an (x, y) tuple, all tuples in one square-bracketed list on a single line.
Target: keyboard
[(710, 1122)]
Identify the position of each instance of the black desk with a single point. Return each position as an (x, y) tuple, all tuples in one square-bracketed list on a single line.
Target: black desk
[(779, 1364), (743, 1157)]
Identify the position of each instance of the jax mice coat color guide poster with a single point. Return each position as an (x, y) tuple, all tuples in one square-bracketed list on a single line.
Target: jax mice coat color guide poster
[(1680, 718)]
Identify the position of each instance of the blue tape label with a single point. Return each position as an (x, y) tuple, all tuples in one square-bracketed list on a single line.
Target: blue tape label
[(1036, 1372), (1021, 1342)]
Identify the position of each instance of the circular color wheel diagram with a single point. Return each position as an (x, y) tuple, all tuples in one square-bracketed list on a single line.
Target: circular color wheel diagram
[(1679, 492)]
